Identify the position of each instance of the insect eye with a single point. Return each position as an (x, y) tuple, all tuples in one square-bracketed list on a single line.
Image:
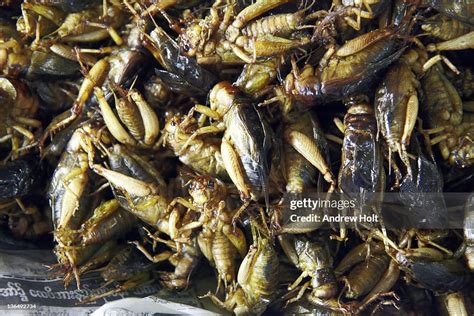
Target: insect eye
[(210, 184)]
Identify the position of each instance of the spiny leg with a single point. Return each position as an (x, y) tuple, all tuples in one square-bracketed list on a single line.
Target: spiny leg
[(310, 151), (201, 131), (234, 168), (300, 294), (239, 212), (156, 258), (135, 281)]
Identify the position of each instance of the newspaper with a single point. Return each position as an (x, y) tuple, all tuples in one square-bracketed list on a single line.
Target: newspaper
[(28, 287), (148, 306)]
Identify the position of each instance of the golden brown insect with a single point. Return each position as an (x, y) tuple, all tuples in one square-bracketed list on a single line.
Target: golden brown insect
[(93, 24), (255, 79), (313, 259), (300, 174), (114, 70), (365, 282), (304, 153), (445, 28), (257, 280), (350, 69), (140, 190), (107, 222), (136, 114), (68, 195), (185, 252), (137, 185), (356, 255), (361, 9), (199, 153), (365, 276), (244, 147), (38, 20), (184, 257), (218, 240), (248, 14), (444, 111), (71, 177), (184, 261), (303, 134), (383, 286), (396, 107), (246, 143), (281, 25), (14, 55), (221, 37), (96, 77), (18, 110), (18, 59), (74, 164)]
